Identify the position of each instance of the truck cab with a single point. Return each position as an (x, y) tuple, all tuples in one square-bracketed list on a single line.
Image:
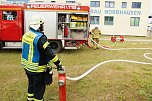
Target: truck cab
[(11, 26)]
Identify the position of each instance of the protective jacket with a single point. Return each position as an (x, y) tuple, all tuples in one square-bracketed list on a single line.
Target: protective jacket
[(96, 33), (37, 52)]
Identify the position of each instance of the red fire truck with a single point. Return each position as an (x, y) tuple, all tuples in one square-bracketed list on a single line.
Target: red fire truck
[(66, 25)]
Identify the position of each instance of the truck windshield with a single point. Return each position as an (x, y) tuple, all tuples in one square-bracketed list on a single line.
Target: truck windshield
[(9, 15)]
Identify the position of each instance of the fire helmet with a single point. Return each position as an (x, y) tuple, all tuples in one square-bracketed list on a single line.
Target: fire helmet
[(96, 26), (35, 21)]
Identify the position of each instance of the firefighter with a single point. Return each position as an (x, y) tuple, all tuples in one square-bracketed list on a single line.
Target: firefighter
[(95, 34), (36, 55)]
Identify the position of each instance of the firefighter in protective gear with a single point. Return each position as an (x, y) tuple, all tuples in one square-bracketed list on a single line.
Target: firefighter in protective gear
[(36, 55), (95, 34)]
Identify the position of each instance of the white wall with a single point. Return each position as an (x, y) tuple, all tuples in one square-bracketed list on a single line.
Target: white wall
[(150, 12)]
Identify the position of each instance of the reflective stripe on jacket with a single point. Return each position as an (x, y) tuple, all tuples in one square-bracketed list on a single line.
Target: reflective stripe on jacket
[(30, 52), (96, 33)]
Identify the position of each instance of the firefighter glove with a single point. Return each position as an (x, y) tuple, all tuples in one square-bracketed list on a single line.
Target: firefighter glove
[(60, 67)]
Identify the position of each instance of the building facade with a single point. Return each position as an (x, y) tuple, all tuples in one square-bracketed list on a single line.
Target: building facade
[(121, 17), (114, 17)]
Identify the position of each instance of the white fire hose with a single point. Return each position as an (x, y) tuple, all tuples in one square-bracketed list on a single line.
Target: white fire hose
[(104, 62)]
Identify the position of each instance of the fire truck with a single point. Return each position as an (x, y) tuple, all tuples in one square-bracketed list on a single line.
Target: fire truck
[(66, 25)]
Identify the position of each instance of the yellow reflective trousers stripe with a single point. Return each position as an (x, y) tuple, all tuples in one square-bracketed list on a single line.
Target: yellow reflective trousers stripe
[(30, 97)]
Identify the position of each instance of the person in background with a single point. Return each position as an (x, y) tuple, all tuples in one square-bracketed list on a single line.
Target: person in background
[(36, 55), (95, 35)]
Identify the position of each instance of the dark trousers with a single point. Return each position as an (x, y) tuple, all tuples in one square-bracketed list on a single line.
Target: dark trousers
[(36, 84)]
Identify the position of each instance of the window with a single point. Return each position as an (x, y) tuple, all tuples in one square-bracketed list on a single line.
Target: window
[(109, 4), (124, 5), (9, 15), (134, 21), (39, 1), (136, 4), (150, 17), (70, 1), (95, 4), (53, 1), (108, 20), (94, 20)]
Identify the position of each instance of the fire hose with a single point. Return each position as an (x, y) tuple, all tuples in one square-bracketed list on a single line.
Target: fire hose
[(63, 77), (104, 62)]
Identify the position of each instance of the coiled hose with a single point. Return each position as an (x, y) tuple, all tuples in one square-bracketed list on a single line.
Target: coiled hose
[(104, 62)]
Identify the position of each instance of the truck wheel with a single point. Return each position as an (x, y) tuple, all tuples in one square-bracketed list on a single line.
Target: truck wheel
[(56, 46)]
